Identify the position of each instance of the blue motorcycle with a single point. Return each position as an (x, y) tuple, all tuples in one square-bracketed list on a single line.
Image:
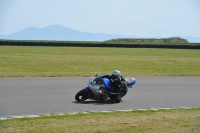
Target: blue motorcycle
[(99, 89)]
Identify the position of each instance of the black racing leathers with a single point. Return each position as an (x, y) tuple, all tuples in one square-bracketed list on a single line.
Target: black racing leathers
[(118, 86)]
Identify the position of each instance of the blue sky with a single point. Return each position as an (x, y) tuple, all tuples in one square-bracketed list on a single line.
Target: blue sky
[(144, 18)]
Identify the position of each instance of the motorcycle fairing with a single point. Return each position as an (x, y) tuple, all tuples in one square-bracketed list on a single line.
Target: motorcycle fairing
[(95, 88), (107, 83), (130, 82), (87, 89)]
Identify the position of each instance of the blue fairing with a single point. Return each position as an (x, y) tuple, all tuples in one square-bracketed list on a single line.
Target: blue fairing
[(133, 82), (107, 83), (87, 89)]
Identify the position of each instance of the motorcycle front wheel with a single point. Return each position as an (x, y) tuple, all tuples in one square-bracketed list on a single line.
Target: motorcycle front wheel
[(81, 96)]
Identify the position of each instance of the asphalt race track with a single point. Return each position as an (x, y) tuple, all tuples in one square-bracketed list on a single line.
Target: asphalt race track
[(37, 96)]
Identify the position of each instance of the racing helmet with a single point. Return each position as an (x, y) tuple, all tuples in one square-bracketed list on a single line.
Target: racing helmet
[(115, 75)]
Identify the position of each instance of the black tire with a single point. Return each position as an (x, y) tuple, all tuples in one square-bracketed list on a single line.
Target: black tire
[(81, 95)]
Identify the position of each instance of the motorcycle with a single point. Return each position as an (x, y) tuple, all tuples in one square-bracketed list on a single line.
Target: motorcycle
[(98, 89)]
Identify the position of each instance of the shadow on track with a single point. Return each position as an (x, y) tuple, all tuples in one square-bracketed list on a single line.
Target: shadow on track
[(96, 102)]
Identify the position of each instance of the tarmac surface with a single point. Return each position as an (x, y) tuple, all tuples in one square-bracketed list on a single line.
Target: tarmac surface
[(37, 96)]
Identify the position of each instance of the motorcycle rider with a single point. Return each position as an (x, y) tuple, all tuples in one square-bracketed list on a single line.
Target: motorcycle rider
[(119, 85)]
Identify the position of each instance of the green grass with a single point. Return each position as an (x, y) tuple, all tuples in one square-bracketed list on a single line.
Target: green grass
[(29, 61), (162, 121)]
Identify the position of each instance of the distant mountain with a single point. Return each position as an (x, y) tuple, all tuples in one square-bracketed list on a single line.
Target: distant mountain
[(59, 32)]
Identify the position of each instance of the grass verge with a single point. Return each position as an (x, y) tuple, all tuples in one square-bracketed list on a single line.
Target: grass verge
[(161, 121), (24, 61)]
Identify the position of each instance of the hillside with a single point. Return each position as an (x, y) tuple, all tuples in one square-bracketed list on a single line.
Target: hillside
[(149, 40), (58, 32)]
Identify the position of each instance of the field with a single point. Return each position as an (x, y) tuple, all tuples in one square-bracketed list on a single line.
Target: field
[(25, 61), (162, 121)]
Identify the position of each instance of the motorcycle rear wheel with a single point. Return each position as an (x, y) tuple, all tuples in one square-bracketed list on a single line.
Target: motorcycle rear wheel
[(81, 96)]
